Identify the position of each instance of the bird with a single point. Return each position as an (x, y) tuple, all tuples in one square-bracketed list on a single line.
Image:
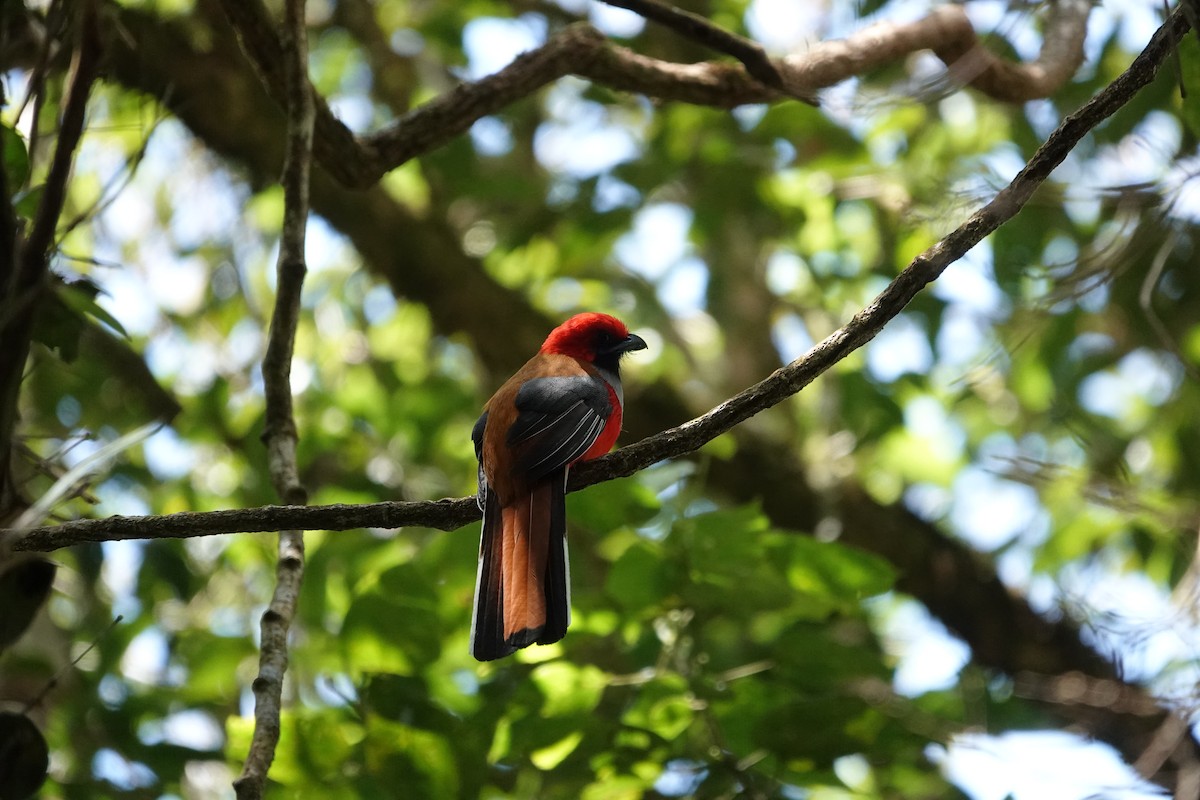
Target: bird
[(564, 406)]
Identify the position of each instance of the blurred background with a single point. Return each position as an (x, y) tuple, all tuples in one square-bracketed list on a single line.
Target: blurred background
[(959, 564)]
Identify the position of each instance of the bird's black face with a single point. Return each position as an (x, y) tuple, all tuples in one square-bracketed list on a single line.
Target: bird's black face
[(610, 343), (609, 347)]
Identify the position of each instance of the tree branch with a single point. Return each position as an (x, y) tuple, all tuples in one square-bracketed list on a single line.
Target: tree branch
[(696, 27), (421, 257), (582, 50), (26, 265), (447, 515), (948, 32), (686, 438), (280, 431)]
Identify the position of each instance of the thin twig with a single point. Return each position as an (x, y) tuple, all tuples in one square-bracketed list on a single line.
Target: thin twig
[(280, 433), (25, 265), (924, 268), (10, 256), (1146, 301), (36, 90), (113, 188), (54, 679), (686, 438), (696, 27), (54, 191)]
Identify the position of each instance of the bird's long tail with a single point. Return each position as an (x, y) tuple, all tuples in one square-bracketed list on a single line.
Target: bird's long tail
[(522, 590)]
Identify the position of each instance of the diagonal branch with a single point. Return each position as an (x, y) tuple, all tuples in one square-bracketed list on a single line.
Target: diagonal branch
[(686, 438), (924, 269), (280, 434)]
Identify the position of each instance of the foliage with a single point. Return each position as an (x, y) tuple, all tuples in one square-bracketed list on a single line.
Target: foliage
[(1036, 405)]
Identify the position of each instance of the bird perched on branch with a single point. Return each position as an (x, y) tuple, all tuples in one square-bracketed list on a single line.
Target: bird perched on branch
[(562, 407)]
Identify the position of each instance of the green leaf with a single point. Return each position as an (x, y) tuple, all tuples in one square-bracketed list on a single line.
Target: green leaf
[(638, 578), (548, 758), (26, 202), (58, 327), (663, 707), (727, 555), (569, 689), (325, 742), (833, 574), (823, 737), (392, 626), (610, 505), (623, 787), (419, 762), (24, 757), (24, 587), (216, 662), (80, 296), (15, 157), (406, 699), (1188, 51)]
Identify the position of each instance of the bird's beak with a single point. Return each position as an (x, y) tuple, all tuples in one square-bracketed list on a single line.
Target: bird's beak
[(630, 343)]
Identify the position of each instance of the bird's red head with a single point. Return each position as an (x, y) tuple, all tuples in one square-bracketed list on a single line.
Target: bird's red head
[(590, 336)]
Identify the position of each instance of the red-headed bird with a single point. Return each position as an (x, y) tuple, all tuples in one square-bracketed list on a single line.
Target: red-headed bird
[(562, 407)]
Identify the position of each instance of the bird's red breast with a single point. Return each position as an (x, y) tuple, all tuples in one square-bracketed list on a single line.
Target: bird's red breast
[(563, 406)]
